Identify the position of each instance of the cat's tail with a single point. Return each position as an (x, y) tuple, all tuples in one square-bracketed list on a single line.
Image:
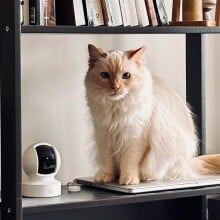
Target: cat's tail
[(208, 164)]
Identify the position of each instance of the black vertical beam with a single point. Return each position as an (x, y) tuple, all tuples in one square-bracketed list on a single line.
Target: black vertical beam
[(195, 84), (10, 110), (195, 92)]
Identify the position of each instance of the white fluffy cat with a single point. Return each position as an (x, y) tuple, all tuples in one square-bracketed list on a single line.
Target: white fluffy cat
[(143, 129)]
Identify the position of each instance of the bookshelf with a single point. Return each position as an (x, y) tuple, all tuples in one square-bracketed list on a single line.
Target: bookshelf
[(92, 204), (121, 30)]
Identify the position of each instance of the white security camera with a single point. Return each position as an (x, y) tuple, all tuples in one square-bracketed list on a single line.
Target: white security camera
[(41, 162)]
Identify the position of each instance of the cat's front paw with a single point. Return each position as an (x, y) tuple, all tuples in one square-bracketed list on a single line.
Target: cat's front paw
[(104, 177), (145, 177), (129, 180)]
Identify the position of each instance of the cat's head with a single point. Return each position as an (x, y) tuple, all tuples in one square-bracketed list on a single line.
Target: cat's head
[(114, 74)]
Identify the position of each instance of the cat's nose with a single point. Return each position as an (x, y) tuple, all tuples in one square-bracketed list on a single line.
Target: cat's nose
[(116, 87)]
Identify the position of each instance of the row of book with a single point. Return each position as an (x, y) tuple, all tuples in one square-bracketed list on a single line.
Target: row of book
[(98, 12)]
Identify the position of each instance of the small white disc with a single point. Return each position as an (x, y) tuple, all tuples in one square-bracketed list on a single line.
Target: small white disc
[(74, 188)]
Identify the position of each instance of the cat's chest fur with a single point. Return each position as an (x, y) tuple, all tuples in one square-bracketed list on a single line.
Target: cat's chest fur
[(125, 119)]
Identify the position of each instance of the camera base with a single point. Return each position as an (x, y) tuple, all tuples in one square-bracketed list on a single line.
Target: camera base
[(41, 188)]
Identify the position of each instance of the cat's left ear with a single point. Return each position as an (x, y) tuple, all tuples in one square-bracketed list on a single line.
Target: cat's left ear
[(136, 55)]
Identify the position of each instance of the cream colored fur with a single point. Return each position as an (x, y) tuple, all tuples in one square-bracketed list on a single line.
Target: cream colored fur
[(143, 129)]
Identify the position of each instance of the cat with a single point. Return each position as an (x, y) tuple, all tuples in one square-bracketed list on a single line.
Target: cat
[(142, 128)]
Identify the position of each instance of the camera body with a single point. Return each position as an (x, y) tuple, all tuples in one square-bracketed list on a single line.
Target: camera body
[(41, 162)]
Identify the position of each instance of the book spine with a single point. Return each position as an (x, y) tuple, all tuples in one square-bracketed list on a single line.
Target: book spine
[(106, 13), (127, 12), (124, 13), (133, 12), (21, 12), (157, 12), (65, 12), (89, 12), (176, 10), (97, 13), (47, 13), (34, 12), (143, 19), (161, 10), (115, 12), (151, 12), (41, 13), (144, 14), (79, 16)]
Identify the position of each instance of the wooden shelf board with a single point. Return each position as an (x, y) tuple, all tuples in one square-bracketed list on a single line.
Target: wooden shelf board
[(91, 197), (120, 30)]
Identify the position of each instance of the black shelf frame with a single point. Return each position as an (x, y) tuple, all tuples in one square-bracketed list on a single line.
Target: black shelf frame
[(88, 198), (11, 206), (120, 30), (10, 31)]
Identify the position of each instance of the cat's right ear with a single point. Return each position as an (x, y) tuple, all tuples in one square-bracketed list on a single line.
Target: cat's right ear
[(95, 54)]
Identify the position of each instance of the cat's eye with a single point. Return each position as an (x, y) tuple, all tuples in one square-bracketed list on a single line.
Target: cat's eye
[(126, 75), (105, 75)]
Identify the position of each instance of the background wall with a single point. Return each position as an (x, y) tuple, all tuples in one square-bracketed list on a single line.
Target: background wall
[(53, 95)]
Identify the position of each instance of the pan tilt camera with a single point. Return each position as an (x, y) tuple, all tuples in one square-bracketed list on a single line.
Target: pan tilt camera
[(41, 162)]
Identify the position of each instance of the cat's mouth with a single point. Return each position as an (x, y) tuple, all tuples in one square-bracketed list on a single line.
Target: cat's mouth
[(117, 95)]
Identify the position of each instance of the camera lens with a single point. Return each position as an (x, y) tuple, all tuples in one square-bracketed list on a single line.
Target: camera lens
[(46, 159)]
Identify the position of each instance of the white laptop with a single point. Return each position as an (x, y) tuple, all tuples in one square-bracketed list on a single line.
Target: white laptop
[(153, 186)]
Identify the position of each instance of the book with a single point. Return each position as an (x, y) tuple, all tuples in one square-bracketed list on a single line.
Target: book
[(151, 13), (42, 12), (26, 13), (78, 13), (106, 12), (98, 15), (176, 10), (70, 12), (21, 12), (65, 12), (88, 11), (93, 12), (49, 16), (161, 12), (143, 19), (125, 12), (133, 13), (217, 13), (35, 12), (115, 12)]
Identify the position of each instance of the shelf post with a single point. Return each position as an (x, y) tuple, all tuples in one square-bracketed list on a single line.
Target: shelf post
[(195, 93), (11, 208), (195, 84)]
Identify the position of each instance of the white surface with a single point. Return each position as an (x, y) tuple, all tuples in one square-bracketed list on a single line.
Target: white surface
[(154, 186), (41, 189)]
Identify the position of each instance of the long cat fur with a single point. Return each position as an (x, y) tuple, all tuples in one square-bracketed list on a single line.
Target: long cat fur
[(143, 129)]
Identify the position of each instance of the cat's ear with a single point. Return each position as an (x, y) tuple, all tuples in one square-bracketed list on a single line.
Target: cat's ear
[(136, 55), (95, 54)]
